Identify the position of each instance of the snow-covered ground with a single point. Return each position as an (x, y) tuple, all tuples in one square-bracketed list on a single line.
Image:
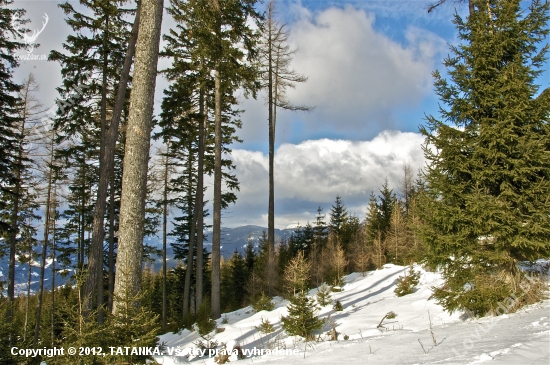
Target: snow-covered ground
[(512, 338)]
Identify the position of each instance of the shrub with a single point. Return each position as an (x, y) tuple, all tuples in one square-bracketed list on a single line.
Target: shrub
[(407, 283), (338, 306), (263, 303), (265, 327)]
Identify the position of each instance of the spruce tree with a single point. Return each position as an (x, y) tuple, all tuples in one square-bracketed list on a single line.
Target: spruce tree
[(8, 99), (301, 320), (338, 214), (9, 136), (487, 180)]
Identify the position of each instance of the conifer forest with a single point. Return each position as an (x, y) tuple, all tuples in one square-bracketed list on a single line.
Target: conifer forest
[(114, 196)]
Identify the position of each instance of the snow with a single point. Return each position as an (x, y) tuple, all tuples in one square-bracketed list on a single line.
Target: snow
[(522, 337)]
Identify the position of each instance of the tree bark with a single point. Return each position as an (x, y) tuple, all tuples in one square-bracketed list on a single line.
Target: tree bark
[(271, 207), (200, 200), (216, 234), (44, 246), (111, 253), (134, 178), (164, 234), (106, 167)]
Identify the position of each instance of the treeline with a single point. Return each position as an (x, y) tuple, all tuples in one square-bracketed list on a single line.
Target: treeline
[(328, 249)]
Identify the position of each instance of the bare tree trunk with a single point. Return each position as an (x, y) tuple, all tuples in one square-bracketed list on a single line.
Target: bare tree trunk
[(134, 179), (164, 233), (270, 102), (52, 324), (95, 263), (44, 245), (200, 199), (193, 230), (28, 297), (15, 211), (111, 253), (216, 234)]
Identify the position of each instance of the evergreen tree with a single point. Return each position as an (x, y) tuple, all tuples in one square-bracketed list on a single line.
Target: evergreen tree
[(10, 21), (9, 136), (488, 175), (249, 256), (385, 208), (338, 214), (320, 228), (234, 279), (301, 320), (302, 240)]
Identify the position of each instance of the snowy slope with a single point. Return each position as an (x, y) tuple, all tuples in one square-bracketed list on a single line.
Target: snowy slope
[(522, 337)]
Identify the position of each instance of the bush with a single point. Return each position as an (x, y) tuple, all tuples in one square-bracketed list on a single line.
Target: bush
[(265, 327), (263, 303), (338, 306), (407, 283)]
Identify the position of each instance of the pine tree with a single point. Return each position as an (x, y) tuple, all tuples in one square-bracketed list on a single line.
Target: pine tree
[(488, 175)]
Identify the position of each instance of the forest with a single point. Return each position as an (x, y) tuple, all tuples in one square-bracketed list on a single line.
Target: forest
[(99, 172)]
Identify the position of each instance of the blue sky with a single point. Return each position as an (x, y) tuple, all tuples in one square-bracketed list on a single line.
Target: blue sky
[(369, 65)]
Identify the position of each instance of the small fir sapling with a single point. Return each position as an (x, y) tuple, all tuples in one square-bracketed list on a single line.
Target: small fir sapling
[(301, 320), (263, 303), (407, 283), (204, 322), (265, 327), (323, 295), (338, 306)]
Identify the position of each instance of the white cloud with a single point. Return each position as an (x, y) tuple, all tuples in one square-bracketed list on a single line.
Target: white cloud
[(359, 79), (356, 74), (311, 173)]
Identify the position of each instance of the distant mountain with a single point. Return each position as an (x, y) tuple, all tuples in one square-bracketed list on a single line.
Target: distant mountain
[(232, 239)]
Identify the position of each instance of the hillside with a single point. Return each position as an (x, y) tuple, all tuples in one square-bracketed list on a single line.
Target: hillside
[(521, 337)]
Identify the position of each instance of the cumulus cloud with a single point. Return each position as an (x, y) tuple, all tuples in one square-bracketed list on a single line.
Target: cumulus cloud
[(358, 77), (357, 74), (311, 173)]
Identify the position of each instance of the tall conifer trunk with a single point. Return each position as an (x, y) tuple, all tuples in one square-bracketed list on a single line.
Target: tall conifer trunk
[(203, 115), (164, 234), (216, 234), (134, 179), (108, 142), (45, 244)]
